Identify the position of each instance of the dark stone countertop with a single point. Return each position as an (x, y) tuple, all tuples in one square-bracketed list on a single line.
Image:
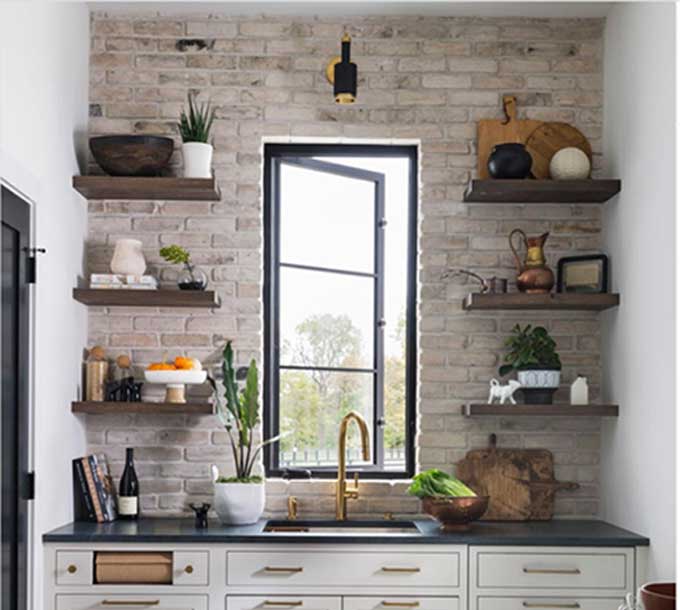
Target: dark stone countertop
[(537, 533)]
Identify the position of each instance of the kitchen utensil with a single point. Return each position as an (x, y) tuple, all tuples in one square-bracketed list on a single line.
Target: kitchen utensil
[(658, 596), (455, 514), (491, 132), (569, 163), (509, 161), (520, 483), (132, 155), (547, 139), (175, 382), (533, 275)]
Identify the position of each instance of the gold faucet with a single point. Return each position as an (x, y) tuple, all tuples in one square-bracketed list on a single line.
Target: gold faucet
[(292, 508), (342, 492)]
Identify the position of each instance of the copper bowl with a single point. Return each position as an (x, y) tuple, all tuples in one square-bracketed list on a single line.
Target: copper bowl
[(455, 514), (658, 595), (132, 155)]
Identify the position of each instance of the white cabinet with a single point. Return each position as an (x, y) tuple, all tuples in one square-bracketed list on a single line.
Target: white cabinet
[(279, 602), (394, 602), (74, 567), (547, 603), (131, 602), (190, 568)]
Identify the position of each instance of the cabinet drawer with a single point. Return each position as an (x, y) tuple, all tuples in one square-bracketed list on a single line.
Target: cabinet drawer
[(551, 570), (392, 602), (319, 569), (547, 603), (135, 602), (278, 602), (190, 568), (74, 568)]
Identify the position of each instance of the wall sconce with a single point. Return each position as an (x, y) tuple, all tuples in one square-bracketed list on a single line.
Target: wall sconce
[(342, 74)]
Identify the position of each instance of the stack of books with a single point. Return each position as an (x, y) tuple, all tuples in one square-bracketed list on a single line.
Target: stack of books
[(94, 497), (130, 282)]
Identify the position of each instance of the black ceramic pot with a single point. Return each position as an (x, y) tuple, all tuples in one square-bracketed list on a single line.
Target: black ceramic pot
[(509, 161)]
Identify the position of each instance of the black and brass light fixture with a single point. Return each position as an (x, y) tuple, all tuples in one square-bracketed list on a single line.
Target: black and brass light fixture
[(342, 74)]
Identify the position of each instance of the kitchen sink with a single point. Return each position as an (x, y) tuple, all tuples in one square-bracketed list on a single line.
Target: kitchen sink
[(341, 528)]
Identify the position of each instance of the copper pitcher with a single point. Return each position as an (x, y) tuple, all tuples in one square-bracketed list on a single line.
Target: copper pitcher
[(533, 275)]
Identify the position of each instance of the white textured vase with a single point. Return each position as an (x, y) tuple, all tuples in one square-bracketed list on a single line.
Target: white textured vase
[(540, 378), (238, 503), (128, 258), (197, 158)]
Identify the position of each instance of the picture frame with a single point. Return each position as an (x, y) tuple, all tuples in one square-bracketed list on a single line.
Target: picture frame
[(587, 274)]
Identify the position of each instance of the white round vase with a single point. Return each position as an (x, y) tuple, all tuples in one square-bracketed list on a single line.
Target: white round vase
[(197, 159), (238, 503), (539, 378), (569, 163), (128, 258)]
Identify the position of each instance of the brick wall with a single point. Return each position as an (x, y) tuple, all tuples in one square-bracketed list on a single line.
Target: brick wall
[(424, 78)]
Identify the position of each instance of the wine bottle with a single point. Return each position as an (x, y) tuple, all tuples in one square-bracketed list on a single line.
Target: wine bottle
[(128, 492)]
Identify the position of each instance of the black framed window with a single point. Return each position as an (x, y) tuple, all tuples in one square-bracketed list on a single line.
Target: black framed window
[(340, 291)]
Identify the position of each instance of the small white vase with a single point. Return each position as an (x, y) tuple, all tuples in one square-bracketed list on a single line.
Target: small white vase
[(238, 503), (128, 258), (539, 378), (197, 159)]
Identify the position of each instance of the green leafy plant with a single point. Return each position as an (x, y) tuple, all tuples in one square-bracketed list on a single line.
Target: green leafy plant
[(239, 412), (435, 483), (176, 254), (195, 126), (530, 347)]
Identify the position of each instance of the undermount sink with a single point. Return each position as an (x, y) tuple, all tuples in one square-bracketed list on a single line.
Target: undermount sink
[(346, 528)]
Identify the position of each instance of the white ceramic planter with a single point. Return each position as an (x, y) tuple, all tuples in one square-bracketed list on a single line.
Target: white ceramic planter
[(197, 158), (237, 503), (539, 378), (128, 258)]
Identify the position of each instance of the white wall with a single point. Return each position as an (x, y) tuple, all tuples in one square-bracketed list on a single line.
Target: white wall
[(43, 111), (638, 355)]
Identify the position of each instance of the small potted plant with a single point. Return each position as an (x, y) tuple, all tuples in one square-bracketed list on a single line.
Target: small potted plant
[(239, 499), (194, 128), (531, 352), (191, 277)]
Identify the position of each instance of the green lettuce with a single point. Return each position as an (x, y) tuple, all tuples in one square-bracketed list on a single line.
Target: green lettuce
[(438, 484)]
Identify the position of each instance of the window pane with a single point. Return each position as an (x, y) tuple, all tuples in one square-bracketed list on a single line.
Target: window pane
[(326, 319), (311, 406), (326, 220)]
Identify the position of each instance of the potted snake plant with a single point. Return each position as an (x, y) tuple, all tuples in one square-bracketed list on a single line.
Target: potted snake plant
[(194, 127)]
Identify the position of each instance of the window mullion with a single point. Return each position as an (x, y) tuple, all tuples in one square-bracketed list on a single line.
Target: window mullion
[(379, 333)]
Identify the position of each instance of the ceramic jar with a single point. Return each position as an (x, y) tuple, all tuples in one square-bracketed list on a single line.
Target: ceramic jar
[(509, 161), (237, 503), (197, 158), (569, 163), (128, 258)]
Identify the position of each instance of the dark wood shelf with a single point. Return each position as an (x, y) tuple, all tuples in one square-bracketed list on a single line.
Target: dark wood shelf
[(105, 297), (470, 410), (541, 191), (123, 187), (553, 300), (156, 408)]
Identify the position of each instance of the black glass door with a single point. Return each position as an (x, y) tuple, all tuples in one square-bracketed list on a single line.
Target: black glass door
[(15, 242)]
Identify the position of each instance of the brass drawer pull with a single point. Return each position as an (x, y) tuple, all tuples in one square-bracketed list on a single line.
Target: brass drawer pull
[(530, 605), (387, 604), (282, 570), (189, 569), (133, 602), (72, 569), (268, 602), (401, 570), (551, 571)]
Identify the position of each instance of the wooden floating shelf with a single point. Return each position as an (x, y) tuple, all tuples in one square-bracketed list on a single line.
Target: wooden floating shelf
[(154, 408), (510, 410), (541, 191), (123, 187), (551, 301), (106, 297)]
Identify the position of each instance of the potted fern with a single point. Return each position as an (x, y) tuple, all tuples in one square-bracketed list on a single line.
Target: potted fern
[(194, 128), (239, 499)]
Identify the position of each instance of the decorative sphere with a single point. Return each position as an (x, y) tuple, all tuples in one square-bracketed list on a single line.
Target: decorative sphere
[(569, 164)]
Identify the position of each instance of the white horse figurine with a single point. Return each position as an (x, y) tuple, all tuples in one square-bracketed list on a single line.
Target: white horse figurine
[(503, 392)]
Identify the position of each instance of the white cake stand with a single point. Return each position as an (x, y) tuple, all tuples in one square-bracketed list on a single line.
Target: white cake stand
[(175, 382)]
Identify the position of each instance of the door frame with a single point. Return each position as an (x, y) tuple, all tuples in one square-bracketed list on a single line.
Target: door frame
[(30, 597)]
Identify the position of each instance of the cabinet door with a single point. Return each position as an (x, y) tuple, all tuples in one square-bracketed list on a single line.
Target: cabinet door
[(393, 602), (190, 568), (547, 603), (134, 601), (279, 602), (74, 568)]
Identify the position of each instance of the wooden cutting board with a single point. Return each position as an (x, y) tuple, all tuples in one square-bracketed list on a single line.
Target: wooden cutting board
[(499, 131), (547, 139), (520, 483)]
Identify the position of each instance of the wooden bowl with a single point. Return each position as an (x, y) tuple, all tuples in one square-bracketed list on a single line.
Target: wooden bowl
[(658, 596), (132, 155), (455, 514)]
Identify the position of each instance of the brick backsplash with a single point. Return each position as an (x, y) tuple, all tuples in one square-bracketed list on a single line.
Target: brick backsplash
[(428, 79)]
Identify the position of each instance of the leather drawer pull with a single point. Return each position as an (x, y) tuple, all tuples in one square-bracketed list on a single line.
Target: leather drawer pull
[(282, 570), (551, 571), (387, 604), (268, 602), (532, 605), (401, 570), (139, 602)]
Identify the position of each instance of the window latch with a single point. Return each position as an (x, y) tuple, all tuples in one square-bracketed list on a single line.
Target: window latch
[(381, 323), (382, 223)]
